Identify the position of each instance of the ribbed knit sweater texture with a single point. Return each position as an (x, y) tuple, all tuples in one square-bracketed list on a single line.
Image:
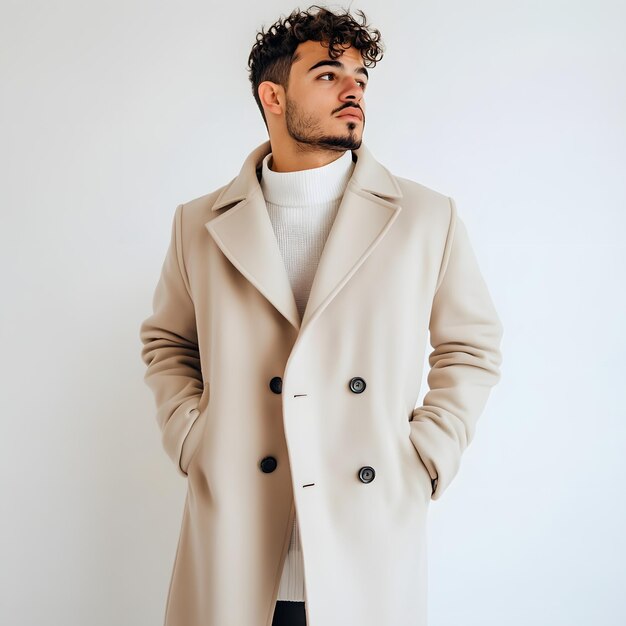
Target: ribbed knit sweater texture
[(302, 206)]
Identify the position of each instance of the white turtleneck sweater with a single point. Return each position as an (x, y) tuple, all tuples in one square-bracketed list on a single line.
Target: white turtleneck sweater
[(302, 206)]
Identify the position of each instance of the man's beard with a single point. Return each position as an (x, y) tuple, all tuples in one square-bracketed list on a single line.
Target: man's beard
[(305, 130)]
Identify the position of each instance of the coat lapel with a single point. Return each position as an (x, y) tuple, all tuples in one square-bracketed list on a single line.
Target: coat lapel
[(245, 234)]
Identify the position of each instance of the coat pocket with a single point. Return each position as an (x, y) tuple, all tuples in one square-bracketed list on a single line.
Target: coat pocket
[(193, 440), (421, 469)]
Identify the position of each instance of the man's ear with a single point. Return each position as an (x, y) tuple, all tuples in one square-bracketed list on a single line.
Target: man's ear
[(272, 97)]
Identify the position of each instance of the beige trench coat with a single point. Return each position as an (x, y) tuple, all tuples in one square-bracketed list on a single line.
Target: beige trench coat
[(266, 415)]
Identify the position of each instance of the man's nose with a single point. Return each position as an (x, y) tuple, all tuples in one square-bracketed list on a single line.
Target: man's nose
[(353, 90)]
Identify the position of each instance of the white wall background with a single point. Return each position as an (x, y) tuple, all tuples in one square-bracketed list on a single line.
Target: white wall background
[(111, 115)]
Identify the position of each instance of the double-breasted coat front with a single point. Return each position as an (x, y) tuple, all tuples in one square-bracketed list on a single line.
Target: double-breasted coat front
[(265, 414)]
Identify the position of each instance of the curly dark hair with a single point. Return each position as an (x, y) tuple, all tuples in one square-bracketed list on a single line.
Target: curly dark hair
[(272, 54)]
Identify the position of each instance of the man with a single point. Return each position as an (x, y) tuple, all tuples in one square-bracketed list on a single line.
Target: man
[(285, 352)]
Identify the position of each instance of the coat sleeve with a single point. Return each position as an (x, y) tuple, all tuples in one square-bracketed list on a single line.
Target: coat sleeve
[(170, 350), (465, 333)]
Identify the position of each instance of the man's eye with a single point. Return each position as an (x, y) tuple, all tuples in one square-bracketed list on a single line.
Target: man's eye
[(363, 83)]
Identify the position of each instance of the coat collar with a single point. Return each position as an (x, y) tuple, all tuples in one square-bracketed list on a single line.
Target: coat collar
[(368, 174), (245, 234)]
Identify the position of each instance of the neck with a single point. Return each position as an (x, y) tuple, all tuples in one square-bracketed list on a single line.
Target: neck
[(296, 156)]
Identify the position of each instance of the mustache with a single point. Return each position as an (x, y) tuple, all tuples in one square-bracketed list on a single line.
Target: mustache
[(351, 106)]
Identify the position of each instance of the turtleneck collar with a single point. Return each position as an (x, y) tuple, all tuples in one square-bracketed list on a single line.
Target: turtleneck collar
[(302, 187)]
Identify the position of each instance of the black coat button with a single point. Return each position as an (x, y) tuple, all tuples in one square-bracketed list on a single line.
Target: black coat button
[(357, 384), (367, 474), (276, 384), (268, 464)]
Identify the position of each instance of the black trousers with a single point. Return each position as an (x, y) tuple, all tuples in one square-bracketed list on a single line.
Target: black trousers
[(289, 613)]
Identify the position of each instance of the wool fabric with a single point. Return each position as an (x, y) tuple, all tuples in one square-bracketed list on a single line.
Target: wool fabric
[(302, 206)]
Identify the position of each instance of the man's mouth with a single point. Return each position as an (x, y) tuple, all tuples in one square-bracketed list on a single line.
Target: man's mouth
[(352, 112)]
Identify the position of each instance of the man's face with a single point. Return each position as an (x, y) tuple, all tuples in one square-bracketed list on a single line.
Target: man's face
[(321, 93)]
